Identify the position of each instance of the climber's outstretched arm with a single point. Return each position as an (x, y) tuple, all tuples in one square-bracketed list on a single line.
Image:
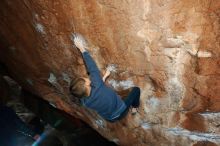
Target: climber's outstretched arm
[(91, 66)]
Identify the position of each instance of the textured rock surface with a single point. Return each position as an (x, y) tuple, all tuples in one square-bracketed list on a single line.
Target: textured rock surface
[(169, 48)]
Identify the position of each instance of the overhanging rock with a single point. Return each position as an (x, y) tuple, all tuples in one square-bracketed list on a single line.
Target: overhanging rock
[(169, 48)]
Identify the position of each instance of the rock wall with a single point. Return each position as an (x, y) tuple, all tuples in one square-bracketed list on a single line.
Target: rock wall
[(169, 48)]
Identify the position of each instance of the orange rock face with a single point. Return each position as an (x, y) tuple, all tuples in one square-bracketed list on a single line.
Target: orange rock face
[(169, 48)]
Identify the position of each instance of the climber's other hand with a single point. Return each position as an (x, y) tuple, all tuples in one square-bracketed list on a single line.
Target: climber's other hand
[(107, 72)]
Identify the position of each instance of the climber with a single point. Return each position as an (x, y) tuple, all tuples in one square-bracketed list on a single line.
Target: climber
[(94, 94)]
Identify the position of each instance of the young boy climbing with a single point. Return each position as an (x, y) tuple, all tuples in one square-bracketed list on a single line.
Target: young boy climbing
[(94, 94)]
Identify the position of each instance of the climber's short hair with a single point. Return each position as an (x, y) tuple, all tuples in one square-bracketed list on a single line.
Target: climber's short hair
[(77, 87)]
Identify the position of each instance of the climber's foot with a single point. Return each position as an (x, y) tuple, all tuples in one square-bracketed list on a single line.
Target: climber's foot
[(136, 104), (136, 93)]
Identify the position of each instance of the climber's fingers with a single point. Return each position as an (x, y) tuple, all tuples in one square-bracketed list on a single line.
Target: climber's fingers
[(107, 72), (79, 41)]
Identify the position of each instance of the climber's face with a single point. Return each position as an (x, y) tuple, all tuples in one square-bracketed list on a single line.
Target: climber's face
[(87, 85)]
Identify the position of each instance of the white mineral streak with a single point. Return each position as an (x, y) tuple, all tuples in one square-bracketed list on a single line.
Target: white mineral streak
[(66, 78), (112, 68), (100, 123), (211, 114), (204, 54), (197, 136), (52, 79), (124, 84), (178, 50), (146, 126), (152, 105), (175, 87)]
